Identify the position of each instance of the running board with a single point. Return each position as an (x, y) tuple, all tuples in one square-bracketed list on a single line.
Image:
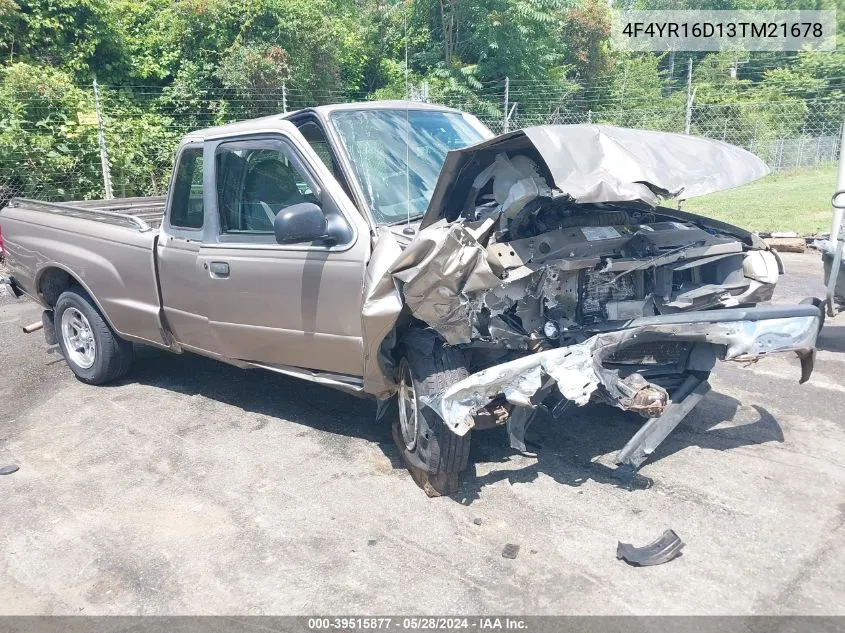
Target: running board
[(349, 384)]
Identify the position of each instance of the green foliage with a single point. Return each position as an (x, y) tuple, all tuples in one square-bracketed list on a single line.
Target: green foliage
[(45, 149), (169, 66), (586, 30), (256, 44), (79, 36), (141, 143)]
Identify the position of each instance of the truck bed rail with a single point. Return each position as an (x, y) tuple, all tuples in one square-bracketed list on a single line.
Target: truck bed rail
[(142, 214)]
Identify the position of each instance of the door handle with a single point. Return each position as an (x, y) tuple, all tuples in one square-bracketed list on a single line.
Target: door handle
[(218, 269)]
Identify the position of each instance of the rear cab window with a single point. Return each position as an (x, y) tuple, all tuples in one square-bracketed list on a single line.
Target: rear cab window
[(186, 205)]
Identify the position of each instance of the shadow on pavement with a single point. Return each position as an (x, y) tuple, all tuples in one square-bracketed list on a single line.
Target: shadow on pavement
[(566, 449), (273, 395), (831, 338)]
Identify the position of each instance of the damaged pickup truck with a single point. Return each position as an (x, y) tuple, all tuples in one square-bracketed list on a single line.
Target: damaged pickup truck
[(401, 251)]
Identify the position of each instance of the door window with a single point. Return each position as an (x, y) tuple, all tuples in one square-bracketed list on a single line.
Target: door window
[(317, 139), (186, 208), (255, 181)]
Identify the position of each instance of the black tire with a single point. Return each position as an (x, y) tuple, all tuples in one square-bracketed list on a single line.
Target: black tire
[(112, 356), (433, 450)]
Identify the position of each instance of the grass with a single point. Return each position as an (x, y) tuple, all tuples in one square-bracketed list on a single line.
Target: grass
[(797, 201)]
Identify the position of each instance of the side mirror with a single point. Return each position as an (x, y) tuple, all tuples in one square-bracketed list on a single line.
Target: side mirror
[(303, 222)]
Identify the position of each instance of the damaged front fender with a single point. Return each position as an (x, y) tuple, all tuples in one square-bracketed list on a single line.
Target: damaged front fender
[(580, 375)]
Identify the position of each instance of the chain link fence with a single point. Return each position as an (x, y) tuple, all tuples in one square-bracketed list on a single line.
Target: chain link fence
[(49, 145), (786, 136)]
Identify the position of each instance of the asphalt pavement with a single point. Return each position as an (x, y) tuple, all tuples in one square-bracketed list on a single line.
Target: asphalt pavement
[(192, 487)]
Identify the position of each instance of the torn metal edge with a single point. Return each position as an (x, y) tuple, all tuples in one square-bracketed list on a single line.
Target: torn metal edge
[(745, 335)]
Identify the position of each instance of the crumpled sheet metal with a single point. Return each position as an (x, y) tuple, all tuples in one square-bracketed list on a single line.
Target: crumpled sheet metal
[(577, 369), (602, 163), (381, 308), (431, 276), (573, 368), (438, 268)]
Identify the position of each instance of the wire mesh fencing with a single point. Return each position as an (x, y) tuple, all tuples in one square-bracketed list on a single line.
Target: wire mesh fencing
[(49, 145), (785, 135)]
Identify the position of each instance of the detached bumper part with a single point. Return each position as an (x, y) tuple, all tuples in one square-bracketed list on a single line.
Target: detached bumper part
[(740, 334), (652, 433), (743, 335), (666, 548)]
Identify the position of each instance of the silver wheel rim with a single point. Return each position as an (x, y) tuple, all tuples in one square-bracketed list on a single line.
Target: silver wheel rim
[(78, 338), (408, 422)]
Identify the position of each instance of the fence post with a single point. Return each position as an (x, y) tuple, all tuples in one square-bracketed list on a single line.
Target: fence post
[(590, 117), (505, 121), (284, 97), (801, 146), (688, 115), (836, 222), (672, 66), (835, 244), (101, 140)]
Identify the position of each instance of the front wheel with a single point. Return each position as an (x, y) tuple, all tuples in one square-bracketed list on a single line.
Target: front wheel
[(91, 348), (434, 454)]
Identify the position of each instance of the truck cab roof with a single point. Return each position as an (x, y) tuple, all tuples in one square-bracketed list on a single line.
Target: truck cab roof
[(323, 112)]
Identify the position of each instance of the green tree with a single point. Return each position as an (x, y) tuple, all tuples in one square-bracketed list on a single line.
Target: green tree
[(79, 36), (44, 149)]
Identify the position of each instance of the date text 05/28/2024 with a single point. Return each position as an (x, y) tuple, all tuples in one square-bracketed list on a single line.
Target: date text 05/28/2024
[(425, 623)]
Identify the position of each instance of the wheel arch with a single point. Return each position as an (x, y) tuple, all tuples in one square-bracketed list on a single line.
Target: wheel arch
[(53, 279)]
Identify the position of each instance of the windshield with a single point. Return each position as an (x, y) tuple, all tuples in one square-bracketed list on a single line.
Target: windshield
[(396, 155)]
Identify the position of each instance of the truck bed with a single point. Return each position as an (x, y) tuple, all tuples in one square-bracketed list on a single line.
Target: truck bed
[(105, 246), (144, 213)]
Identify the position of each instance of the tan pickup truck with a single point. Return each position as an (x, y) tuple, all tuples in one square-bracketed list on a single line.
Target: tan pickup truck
[(400, 250)]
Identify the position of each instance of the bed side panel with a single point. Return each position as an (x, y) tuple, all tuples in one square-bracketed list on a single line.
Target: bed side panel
[(113, 263)]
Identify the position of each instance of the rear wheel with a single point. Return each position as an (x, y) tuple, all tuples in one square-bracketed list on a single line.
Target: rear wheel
[(434, 454), (91, 348)]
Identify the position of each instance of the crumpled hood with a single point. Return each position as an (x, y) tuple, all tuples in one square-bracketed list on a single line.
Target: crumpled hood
[(602, 163)]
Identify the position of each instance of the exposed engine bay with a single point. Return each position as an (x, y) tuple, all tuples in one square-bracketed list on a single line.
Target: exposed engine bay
[(567, 268), (545, 255)]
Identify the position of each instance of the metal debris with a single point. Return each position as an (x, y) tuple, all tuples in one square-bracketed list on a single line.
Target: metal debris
[(666, 548), (511, 550), (578, 371)]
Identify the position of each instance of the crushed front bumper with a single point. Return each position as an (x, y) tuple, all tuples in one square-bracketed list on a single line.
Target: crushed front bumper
[(580, 374)]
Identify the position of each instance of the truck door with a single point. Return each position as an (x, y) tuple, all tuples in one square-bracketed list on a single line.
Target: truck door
[(180, 273), (296, 304)]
